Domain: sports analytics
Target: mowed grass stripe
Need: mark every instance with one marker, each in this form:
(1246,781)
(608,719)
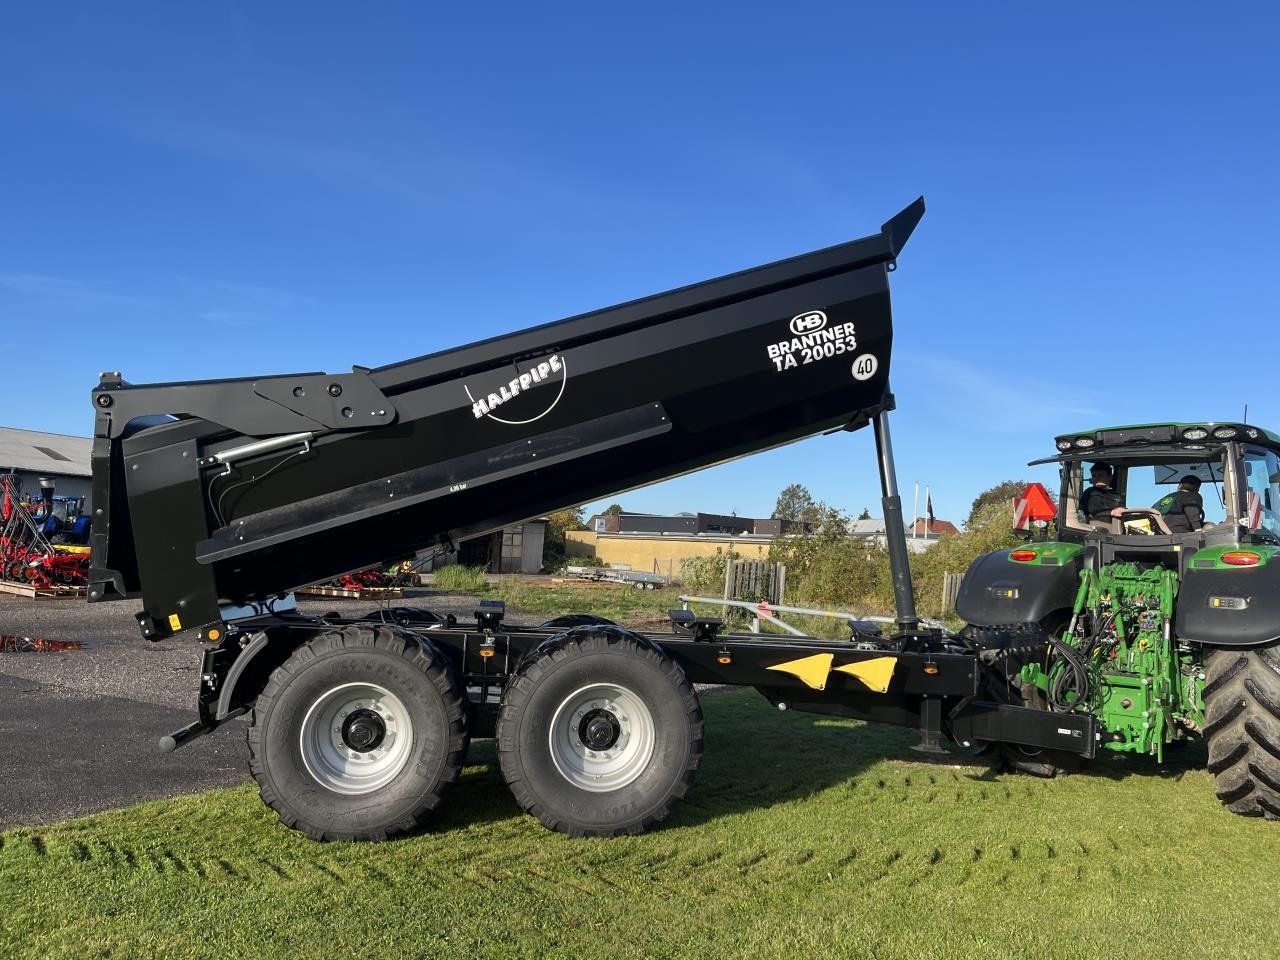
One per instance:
(801,834)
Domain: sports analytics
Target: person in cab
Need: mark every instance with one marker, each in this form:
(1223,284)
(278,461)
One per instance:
(1099,503)
(1184,508)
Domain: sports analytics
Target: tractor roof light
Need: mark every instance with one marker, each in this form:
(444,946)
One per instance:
(1224,433)
(1241,558)
(1251,433)
(1064,444)
(1023,556)
(1084,442)
(1195,433)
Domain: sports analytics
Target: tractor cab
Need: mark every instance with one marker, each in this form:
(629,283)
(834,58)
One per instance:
(62,520)
(1238,472)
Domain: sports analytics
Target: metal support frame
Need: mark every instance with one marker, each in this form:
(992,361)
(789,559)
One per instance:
(767,613)
(904,601)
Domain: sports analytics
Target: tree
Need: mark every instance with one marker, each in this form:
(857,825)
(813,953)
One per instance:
(865,514)
(612,510)
(1001,493)
(795,502)
(553,549)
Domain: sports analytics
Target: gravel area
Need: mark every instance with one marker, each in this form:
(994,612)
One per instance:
(78,729)
(118,662)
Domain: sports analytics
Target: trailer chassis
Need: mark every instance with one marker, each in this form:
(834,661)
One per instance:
(920,676)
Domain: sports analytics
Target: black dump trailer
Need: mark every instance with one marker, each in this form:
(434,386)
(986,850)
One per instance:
(215,499)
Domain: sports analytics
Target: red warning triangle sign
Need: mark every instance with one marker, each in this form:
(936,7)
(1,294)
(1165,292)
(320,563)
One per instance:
(1040,506)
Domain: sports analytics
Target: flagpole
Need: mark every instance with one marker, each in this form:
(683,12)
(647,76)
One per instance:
(915,512)
(928,511)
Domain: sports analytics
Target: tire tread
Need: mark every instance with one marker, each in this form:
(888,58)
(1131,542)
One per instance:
(1242,707)
(351,638)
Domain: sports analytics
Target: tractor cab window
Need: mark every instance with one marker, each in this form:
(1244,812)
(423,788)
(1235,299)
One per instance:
(1262,491)
(1157,485)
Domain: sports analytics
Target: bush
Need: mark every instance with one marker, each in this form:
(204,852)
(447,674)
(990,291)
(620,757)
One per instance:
(833,571)
(461,579)
(705,575)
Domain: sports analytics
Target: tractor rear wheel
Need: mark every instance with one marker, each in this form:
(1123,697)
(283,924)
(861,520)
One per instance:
(599,733)
(358,734)
(1242,726)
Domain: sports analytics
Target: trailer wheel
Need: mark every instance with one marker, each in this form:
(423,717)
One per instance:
(578,620)
(599,733)
(358,734)
(1242,726)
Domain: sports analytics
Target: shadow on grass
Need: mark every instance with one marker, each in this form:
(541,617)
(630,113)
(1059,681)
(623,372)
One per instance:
(756,757)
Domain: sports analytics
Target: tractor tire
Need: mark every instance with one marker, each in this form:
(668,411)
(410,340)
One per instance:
(358,734)
(1242,727)
(1000,682)
(599,733)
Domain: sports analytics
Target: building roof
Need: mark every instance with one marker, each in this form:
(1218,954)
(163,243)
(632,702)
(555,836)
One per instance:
(933,528)
(870,527)
(44,452)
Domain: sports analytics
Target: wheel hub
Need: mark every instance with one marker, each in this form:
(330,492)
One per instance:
(602,737)
(599,729)
(363,730)
(356,738)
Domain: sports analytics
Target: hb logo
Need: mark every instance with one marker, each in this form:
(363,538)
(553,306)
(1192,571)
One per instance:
(809,322)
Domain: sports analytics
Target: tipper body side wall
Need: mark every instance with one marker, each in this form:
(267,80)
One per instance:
(228,492)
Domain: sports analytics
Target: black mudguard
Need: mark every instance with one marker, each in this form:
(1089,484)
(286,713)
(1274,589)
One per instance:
(1230,608)
(996,590)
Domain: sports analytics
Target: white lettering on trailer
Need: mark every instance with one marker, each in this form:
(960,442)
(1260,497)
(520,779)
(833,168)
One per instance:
(808,322)
(541,372)
(813,340)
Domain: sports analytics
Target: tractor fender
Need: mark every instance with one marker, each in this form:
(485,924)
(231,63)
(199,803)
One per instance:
(997,590)
(1234,607)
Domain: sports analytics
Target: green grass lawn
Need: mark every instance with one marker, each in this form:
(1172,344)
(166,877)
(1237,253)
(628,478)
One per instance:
(645,609)
(802,837)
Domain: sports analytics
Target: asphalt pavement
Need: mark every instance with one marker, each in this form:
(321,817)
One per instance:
(79,728)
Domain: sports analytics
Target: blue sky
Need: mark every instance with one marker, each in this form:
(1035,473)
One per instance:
(196,191)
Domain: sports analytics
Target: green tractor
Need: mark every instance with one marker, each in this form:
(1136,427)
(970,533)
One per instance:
(1164,626)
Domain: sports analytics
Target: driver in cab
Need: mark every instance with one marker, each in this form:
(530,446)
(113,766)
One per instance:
(1099,503)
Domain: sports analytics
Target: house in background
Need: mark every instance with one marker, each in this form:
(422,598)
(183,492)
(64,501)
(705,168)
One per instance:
(31,455)
(515,549)
(932,529)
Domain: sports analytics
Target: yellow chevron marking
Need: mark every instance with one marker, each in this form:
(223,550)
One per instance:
(812,670)
(876,673)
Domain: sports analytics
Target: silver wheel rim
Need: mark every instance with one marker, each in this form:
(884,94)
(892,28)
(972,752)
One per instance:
(614,763)
(336,759)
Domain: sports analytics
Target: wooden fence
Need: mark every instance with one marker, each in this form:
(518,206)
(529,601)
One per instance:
(755,580)
(950,590)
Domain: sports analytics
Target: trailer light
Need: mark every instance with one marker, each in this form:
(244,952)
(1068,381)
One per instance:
(213,633)
(1084,442)
(1064,444)
(931,669)
(486,652)
(1241,558)
(1195,433)
(1224,433)
(1023,556)
(725,659)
